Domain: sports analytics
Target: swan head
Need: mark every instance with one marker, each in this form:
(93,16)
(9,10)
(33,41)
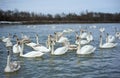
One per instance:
(8,52)
(14,36)
(107,34)
(90,33)
(52,42)
(100,36)
(77,38)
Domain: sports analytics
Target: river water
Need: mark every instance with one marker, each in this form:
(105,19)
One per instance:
(103,63)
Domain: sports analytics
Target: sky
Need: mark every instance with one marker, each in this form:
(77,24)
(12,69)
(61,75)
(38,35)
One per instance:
(61,6)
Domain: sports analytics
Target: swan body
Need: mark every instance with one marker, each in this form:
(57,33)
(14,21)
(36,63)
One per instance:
(41,48)
(62,39)
(89,37)
(31,44)
(82,42)
(68,30)
(9,44)
(11,66)
(16,48)
(117,34)
(87,49)
(31,54)
(60,50)
(111,39)
(83,35)
(107,44)
(5,39)
(24,36)
(102,30)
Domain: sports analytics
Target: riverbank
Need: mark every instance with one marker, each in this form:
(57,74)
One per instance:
(52,22)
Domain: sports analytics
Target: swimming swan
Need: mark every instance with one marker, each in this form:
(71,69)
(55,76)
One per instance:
(11,66)
(60,50)
(87,49)
(30,54)
(107,44)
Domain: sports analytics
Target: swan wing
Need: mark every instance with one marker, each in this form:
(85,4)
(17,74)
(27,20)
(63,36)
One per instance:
(60,51)
(31,44)
(84,35)
(15,48)
(87,49)
(33,54)
(109,45)
(41,48)
(62,39)
(15,65)
(5,39)
(111,38)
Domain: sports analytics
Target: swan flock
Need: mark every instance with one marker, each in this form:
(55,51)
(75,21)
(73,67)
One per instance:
(82,45)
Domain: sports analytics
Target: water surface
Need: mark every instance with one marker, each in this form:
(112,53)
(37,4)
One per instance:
(103,63)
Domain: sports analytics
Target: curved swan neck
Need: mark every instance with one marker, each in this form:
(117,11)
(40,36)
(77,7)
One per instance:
(37,39)
(107,38)
(52,51)
(56,37)
(79,45)
(8,60)
(21,52)
(100,40)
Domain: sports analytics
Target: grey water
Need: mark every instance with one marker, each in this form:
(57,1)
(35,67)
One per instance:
(103,63)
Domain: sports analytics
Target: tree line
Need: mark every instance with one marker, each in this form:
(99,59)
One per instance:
(83,17)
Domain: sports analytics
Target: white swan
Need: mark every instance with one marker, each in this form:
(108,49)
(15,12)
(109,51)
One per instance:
(83,34)
(11,66)
(117,33)
(89,36)
(82,42)
(48,42)
(102,30)
(106,45)
(7,38)
(60,50)
(68,30)
(39,47)
(30,54)
(87,49)
(110,38)
(9,43)
(31,44)
(62,39)
(24,36)
(58,35)
(16,48)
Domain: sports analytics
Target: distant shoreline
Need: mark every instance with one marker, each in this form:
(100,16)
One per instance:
(52,22)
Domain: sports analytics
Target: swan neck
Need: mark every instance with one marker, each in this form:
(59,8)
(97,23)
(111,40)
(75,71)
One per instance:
(21,52)
(52,51)
(37,40)
(101,41)
(8,60)
(56,37)
(107,39)
(79,45)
